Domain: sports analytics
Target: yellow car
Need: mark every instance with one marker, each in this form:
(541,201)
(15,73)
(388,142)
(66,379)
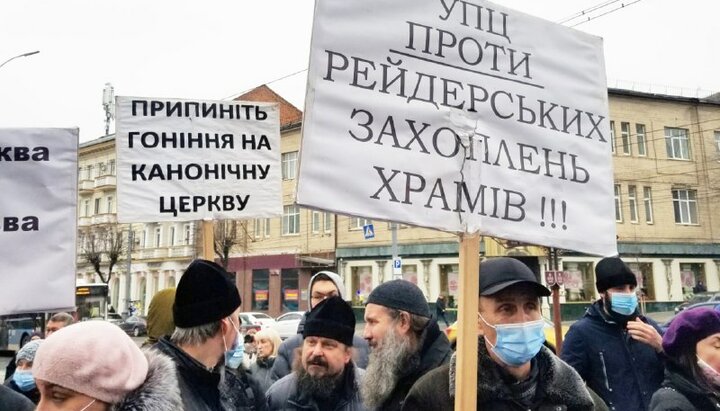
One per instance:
(451,332)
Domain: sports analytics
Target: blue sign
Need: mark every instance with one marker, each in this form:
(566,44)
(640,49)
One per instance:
(369,231)
(397,263)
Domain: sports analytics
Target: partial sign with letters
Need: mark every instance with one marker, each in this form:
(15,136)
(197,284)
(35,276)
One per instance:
(463,116)
(190,160)
(38,219)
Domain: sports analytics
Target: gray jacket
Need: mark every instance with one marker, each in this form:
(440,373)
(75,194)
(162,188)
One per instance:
(284,396)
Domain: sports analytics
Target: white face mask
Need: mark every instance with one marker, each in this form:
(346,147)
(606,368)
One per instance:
(709,372)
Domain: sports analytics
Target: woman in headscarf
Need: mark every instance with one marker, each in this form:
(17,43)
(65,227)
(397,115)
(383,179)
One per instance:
(160,316)
(692,372)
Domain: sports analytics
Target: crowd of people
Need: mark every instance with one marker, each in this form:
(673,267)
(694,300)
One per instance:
(196,358)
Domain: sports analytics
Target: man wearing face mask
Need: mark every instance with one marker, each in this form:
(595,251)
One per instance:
(515,370)
(617,351)
(206,343)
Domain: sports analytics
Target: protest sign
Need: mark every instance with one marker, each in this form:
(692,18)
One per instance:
(461,116)
(190,160)
(38,219)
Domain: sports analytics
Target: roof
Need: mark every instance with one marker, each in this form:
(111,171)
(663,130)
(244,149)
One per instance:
(289,114)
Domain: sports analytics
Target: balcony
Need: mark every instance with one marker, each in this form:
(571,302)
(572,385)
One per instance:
(106,182)
(104,219)
(182,251)
(86,186)
(153,253)
(84,221)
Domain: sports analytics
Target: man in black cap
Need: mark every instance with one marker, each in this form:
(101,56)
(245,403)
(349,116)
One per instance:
(515,370)
(405,343)
(324,376)
(205,341)
(616,350)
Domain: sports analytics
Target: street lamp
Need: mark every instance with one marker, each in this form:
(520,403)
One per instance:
(18,56)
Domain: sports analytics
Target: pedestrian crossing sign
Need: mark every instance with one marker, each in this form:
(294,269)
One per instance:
(369,231)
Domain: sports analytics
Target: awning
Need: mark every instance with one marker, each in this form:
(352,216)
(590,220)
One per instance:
(316,260)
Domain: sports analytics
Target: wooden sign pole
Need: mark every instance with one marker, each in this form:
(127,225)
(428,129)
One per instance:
(466,361)
(208,238)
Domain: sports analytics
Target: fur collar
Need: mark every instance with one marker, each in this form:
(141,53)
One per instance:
(558,383)
(159,392)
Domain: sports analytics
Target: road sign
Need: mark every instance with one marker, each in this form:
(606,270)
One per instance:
(368,231)
(397,266)
(560,277)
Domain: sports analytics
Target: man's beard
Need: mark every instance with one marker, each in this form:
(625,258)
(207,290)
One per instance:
(395,357)
(317,387)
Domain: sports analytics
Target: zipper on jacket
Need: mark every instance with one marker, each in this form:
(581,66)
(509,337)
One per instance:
(602,360)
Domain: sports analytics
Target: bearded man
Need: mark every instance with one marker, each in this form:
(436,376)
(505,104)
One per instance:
(405,343)
(324,376)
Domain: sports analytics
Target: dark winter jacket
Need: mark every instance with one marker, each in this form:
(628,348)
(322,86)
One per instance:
(622,371)
(435,352)
(212,390)
(681,393)
(559,387)
(286,351)
(260,372)
(33,395)
(283,395)
(159,392)
(12,401)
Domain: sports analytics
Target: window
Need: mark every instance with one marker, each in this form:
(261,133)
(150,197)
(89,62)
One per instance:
(641,139)
(145,238)
(261,227)
(267,227)
(677,143)
(717,141)
(328,222)
(87,208)
(647,199)
(101,169)
(291,220)
(158,236)
(97,206)
(260,289)
(187,234)
(315,221)
(612,136)
(109,204)
(357,223)
(112,167)
(289,165)
(618,204)
(644,274)
(172,236)
(89,174)
(685,206)
(632,202)
(257,227)
(625,137)
(579,282)
(289,289)
(690,275)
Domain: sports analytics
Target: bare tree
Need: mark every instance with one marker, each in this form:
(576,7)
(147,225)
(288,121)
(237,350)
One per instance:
(228,235)
(106,242)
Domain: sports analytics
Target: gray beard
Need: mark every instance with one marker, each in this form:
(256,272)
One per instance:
(318,387)
(385,368)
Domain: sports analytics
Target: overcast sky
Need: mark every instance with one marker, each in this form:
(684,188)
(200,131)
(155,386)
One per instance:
(218,49)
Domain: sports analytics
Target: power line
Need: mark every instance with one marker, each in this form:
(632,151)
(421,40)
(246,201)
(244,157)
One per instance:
(622,6)
(584,12)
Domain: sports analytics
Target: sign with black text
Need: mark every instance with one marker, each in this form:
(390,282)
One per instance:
(38,219)
(191,160)
(463,116)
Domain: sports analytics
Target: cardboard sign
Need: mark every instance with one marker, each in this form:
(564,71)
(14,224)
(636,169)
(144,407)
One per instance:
(464,117)
(38,219)
(190,160)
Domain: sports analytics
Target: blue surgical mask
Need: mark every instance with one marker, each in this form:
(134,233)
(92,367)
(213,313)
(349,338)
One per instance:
(623,303)
(24,380)
(517,344)
(234,355)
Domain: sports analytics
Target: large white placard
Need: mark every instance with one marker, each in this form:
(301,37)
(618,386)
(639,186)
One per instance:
(463,116)
(190,160)
(38,219)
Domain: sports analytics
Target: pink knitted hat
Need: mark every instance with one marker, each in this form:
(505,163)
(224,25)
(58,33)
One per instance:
(94,358)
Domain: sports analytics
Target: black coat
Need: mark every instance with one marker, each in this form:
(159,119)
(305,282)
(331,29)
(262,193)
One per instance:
(559,387)
(622,371)
(12,401)
(434,352)
(219,389)
(681,393)
(33,395)
(284,396)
